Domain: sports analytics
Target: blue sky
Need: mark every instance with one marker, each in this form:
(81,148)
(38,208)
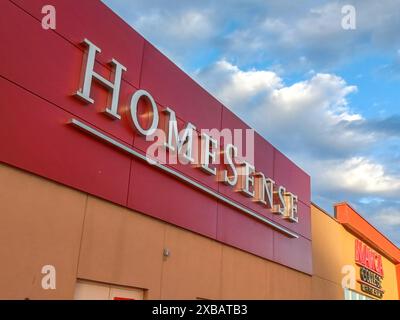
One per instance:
(289,66)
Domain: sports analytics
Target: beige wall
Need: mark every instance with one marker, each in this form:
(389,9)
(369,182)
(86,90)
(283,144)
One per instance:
(89,290)
(86,238)
(333,248)
(42,222)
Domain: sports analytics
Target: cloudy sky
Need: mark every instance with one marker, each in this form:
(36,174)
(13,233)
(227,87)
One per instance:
(289,66)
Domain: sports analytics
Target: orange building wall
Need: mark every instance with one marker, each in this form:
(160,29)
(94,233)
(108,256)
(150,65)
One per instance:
(88,239)
(333,248)
(42,222)
(398,279)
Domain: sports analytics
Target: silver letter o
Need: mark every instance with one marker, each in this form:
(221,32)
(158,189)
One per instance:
(133,109)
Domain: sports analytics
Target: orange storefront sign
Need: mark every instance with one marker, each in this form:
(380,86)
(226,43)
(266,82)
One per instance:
(368,258)
(371,269)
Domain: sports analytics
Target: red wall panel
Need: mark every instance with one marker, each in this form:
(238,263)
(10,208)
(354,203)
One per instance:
(172,88)
(162,196)
(36,136)
(292,177)
(40,72)
(243,232)
(186,168)
(295,253)
(91,19)
(52,69)
(262,158)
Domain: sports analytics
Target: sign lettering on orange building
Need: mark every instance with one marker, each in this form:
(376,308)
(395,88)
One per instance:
(371,270)
(368,258)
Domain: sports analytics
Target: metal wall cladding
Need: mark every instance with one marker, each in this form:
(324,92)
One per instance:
(40,72)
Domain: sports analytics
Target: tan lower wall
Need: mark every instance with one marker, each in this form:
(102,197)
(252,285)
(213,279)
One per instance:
(323,289)
(40,224)
(83,237)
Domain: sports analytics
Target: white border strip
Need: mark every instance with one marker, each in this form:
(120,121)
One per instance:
(98,134)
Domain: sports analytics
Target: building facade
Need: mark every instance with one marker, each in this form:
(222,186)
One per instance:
(86,213)
(351,259)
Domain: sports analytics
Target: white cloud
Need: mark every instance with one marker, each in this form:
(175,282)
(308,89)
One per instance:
(299,35)
(287,115)
(387,220)
(309,120)
(389,217)
(187,26)
(314,33)
(235,87)
(356,175)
